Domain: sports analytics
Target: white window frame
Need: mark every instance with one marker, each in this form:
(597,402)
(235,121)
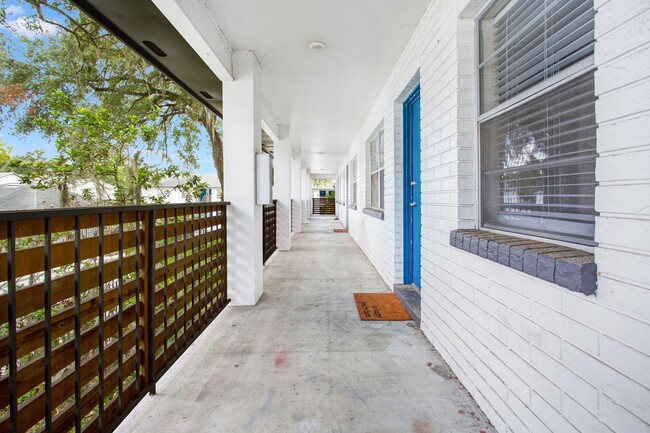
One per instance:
(376,140)
(354,176)
(583,67)
(336,190)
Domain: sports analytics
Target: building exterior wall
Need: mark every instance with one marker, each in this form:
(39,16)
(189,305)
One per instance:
(535,356)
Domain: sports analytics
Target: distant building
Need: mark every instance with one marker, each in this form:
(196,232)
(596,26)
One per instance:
(8,178)
(24,197)
(15,195)
(168,188)
(98,192)
(322,192)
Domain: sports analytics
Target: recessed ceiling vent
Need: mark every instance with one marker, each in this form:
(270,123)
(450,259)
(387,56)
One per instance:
(206,94)
(155,48)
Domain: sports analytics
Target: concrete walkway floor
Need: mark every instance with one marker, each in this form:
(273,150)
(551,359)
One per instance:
(302,361)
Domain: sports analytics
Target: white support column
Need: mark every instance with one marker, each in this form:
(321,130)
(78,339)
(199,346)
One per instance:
(310,202)
(306,193)
(282,187)
(242,139)
(296,193)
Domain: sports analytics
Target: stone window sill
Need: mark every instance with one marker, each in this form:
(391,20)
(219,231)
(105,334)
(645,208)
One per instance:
(375,213)
(567,267)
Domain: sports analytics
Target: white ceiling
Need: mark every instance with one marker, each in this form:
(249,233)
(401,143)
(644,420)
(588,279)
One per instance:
(324,96)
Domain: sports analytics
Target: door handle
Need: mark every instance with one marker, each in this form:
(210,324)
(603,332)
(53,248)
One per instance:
(413,204)
(412,183)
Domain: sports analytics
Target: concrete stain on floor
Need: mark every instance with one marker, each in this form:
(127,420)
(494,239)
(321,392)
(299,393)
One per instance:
(302,360)
(259,413)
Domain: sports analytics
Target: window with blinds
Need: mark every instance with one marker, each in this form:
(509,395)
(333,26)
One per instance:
(524,42)
(353,182)
(375,169)
(337,190)
(538,154)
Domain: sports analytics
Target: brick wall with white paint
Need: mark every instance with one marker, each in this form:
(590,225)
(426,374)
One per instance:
(535,356)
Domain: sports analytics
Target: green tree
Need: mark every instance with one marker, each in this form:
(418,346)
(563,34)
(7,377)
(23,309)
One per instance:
(322,183)
(5,155)
(92,146)
(95,71)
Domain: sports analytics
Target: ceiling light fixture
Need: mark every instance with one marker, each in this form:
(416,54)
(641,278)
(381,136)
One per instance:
(316,45)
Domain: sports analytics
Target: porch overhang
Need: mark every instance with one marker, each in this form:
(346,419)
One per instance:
(135,22)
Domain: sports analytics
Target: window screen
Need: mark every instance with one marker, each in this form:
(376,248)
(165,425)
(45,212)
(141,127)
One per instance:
(338,189)
(375,170)
(539,162)
(524,42)
(538,156)
(377,152)
(377,190)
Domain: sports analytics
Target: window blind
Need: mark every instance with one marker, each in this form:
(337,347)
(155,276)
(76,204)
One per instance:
(524,42)
(377,152)
(373,155)
(377,190)
(375,172)
(538,164)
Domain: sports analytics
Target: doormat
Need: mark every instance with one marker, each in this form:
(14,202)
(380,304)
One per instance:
(380,307)
(340,230)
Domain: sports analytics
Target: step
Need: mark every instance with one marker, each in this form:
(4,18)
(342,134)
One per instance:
(409,296)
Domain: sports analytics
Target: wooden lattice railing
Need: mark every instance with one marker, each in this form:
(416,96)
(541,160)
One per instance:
(97,303)
(269,228)
(323,206)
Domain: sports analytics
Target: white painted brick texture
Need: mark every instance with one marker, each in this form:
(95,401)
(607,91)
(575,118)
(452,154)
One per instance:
(535,356)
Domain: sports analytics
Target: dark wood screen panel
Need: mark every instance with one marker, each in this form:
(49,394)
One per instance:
(96,304)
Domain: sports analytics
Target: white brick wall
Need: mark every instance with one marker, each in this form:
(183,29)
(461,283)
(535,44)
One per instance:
(535,356)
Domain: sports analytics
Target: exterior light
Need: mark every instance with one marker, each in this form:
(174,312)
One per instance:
(155,48)
(206,94)
(316,45)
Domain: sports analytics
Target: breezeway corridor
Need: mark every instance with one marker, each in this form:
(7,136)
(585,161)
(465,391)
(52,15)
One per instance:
(302,361)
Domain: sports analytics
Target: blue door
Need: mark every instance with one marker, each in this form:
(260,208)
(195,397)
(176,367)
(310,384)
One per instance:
(412,189)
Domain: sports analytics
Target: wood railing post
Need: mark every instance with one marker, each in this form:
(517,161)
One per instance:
(224,262)
(147,306)
(12,322)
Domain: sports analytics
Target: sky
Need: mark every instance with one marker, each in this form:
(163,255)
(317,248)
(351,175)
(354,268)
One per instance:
(21,144)
(16,13)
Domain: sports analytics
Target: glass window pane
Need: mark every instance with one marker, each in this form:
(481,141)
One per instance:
(538,164)
(374,190)
(381,189)
(376,152)
(524,42)
(380,149)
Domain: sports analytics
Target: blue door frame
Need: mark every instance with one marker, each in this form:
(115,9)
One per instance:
(412,190)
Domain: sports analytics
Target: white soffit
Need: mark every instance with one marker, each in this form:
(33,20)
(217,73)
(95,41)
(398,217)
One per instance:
(324,95)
